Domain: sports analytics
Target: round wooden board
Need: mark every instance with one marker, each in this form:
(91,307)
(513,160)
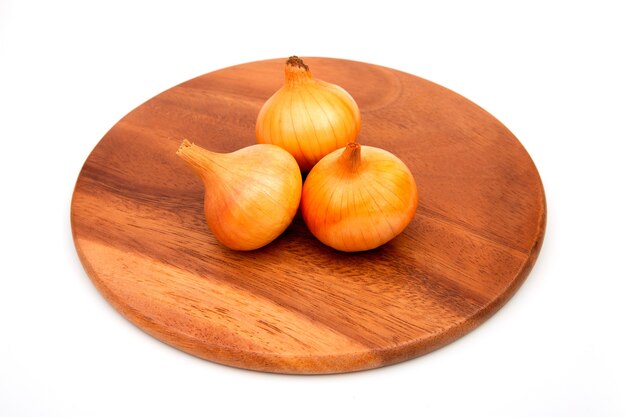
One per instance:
(296,306)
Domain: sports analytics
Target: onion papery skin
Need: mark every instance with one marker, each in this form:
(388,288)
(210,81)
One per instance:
(308,117)
(251,195)
(358,198)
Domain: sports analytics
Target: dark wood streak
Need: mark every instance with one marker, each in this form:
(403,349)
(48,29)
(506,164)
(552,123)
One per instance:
(295,305)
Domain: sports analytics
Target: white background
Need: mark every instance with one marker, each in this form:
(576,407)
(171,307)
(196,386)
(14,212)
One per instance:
(551,71)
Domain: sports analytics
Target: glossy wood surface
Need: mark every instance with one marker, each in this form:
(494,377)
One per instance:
(297,306)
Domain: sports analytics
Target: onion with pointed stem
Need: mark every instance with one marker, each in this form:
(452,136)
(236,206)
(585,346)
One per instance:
(251,195)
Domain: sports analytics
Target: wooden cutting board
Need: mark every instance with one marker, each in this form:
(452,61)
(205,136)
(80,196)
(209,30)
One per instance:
(297,306)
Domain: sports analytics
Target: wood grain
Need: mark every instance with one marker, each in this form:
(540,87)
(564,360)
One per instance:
(297,306)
